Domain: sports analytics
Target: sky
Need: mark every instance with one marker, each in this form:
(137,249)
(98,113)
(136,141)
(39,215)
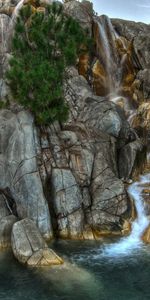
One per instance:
(135,10)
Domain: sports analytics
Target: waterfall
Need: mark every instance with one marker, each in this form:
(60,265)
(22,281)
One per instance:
(17,9)
(4,33)
(127,244)
(109,55)
(113,62)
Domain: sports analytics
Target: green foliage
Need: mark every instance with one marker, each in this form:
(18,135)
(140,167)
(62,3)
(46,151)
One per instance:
(4,104)
(44,44)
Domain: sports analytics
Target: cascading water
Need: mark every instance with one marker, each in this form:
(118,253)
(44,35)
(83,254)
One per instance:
(113,61)
(107,36)
(17,9)
(133,241)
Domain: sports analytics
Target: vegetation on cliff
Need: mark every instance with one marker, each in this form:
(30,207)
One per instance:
(44,44)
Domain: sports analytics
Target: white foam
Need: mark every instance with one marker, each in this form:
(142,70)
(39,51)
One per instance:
(127,244)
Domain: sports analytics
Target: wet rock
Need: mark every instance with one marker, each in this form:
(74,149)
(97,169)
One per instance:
(126,227)
(99,79)
(139,33)
(29,247)
(146,236)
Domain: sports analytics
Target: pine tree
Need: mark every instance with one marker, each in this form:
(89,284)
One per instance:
(44,44)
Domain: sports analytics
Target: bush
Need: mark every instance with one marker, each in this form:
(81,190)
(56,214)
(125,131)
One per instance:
(44,44)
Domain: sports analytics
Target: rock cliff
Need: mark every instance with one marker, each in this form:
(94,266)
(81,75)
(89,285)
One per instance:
(69,178)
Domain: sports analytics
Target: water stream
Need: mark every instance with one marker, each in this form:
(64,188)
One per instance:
(87,275)
(128,244)
(16,10)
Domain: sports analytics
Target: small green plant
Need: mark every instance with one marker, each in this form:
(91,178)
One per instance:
(4,104)
(44,44)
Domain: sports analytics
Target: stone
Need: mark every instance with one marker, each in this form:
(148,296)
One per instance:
(80,12)
(139,33)
(146,235)
(7,6)
(19,170)
(29,247)
(144,77)
(127,158)
(126,227)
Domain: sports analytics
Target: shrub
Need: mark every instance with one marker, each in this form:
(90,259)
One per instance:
(44,44)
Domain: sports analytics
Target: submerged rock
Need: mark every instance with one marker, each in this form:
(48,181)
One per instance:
(29,247)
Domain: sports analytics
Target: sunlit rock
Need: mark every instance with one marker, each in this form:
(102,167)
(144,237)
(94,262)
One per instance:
(126,227)
(29,247)
(99,79)
(139,34)
(146,236)
(82,12)
(83,65)
(7,6)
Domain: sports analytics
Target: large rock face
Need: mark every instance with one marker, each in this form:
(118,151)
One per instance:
(66,178)
(19,172)
(81,12)
(76,163)
(87,196)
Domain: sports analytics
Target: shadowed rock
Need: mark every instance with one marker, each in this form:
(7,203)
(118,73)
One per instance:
(6,223)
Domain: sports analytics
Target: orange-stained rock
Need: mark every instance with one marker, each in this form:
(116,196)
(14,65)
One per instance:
(83,64)
(100,234)
(129,79)
(146,191)
(100,80)
(146,235)
(142,118)
(126,227)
